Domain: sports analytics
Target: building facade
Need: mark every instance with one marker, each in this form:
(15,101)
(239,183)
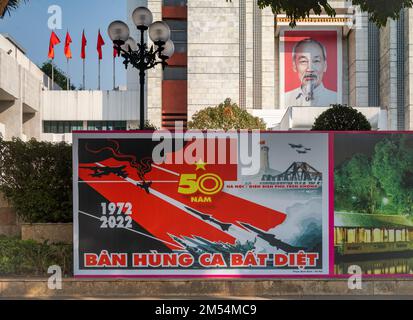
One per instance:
(236,50)
(230,49)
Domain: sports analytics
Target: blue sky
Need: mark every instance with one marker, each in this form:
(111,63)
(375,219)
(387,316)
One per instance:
(28,25)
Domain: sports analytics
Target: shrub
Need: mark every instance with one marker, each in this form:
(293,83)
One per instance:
(225,116)
(36,177)
(19,257)
(341,118)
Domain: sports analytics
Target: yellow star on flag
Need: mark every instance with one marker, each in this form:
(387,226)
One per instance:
(200,165)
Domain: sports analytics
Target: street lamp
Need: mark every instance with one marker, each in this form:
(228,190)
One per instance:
(139,55)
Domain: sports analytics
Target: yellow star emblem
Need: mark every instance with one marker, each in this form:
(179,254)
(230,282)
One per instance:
(200,165)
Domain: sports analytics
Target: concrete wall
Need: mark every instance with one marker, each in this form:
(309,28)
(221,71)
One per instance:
(90,105)
(409,70)
(11,115)
(388,72)
(211,288)
(20,93)
(303,118)
(358,63)
(9,223)
(21,58)
(51,232)
(268,60)
(213,53)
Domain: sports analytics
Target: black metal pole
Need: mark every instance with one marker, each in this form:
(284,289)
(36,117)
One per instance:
(142,83)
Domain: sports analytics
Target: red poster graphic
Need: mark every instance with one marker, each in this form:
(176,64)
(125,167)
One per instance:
(202,216)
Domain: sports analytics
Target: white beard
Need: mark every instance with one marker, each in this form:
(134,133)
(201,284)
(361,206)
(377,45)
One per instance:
(308,90)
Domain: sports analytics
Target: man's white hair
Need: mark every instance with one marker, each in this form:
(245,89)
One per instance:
(308,41)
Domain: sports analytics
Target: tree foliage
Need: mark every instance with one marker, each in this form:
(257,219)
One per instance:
(226,116)
(356,186)
(36,177)
(379,10)
(382,183)
(393,164)
(60,78)
(6,6)
(341,118)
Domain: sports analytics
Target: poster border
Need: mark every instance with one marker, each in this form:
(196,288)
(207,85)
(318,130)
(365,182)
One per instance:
(331,274)
(325,270)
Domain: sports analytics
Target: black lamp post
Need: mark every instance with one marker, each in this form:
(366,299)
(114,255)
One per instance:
(138,54)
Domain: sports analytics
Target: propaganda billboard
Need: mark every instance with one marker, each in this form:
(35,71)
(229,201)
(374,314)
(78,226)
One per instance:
(236,204)
(310,67)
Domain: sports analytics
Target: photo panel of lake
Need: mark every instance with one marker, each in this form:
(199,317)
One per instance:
(373,203)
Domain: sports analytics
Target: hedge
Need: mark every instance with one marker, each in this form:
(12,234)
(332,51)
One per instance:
(27,257)
(341,118)
(36,177)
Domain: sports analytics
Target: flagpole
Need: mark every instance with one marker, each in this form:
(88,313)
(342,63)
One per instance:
(114,72)
(84,80)
(99,77)
(51,62)
(67,75)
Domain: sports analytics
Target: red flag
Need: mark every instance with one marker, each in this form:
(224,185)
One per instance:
(68,41)
(115,52)
(99,45)
(54,40)
(84,44)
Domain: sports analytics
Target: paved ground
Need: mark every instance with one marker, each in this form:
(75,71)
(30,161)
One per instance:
(231,298)
(277,289)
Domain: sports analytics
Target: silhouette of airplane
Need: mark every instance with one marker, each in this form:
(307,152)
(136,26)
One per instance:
(105,171)
(307,149)
(295,146)
(301,152)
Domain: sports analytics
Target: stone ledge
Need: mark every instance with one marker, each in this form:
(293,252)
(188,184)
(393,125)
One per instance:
(51,232)
(3,202)
(8,216)
(10,231)
(37,288)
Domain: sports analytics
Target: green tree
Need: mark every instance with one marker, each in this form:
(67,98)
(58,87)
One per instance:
(226,116)
(60,78)
(356,188)
(393,166)
(6,6)
(379,10)
(341,118)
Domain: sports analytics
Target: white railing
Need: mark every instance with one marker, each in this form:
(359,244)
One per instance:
(57,137)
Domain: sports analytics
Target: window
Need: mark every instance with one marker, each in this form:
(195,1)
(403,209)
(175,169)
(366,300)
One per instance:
(62,126)
(179,34)
(175,73)
(106,125)
(174,3)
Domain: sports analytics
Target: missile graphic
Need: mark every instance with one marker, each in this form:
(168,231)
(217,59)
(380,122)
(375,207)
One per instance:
(188,246)
(203,246)
(207,217)
(272,240)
